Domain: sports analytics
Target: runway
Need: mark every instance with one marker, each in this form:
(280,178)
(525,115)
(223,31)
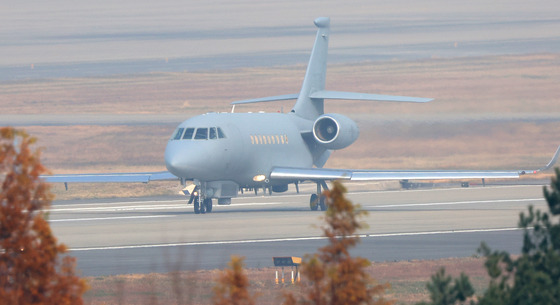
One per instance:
(143,235)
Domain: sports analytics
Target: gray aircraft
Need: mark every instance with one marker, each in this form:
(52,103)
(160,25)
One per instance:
(224,153)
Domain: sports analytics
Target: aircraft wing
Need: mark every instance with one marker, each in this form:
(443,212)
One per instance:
(290,173)
(110,177)
(365,175)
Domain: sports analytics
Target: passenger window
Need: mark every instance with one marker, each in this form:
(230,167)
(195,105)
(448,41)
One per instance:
(188,134)
(201,134)
(178,134)
(221,134)
(213,134)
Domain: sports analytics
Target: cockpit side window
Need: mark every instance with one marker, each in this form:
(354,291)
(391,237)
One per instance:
(178,134)
(221,134)
(201,134)
(213,134)
(188,134)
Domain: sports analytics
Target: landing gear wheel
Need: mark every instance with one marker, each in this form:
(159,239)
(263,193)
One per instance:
(313,202)
(196,205)
(323,203)
(208,205)
(203,207)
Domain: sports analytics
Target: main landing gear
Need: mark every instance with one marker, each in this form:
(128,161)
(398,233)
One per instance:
(318,200)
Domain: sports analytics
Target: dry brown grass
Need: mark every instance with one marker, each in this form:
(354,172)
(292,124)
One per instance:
(494,84)
(408,280)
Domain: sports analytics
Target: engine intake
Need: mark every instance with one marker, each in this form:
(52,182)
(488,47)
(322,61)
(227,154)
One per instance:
(335,131)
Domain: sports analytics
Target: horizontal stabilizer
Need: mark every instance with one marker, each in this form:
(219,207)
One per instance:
(341,95)
(268,99)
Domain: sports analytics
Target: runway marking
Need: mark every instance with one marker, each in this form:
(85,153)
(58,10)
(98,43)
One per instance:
(122,208)
(249,241)
(453,203)
(153,207)
(111,218)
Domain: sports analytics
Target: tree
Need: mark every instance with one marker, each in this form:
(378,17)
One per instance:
(336,277)
(31,271)
(443,293)
(233,285)
(534,276)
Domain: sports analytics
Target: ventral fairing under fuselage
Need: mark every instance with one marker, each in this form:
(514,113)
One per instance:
(222,153)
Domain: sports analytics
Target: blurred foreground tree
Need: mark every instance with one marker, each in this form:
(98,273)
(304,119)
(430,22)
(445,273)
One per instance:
(31,271)
(442,292)
(336,277)
(233,285)
(534,276)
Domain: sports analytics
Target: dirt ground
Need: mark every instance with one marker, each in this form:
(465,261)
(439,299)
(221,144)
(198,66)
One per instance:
(407,279)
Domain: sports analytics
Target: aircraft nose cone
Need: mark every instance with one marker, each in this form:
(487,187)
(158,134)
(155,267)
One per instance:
(175,161)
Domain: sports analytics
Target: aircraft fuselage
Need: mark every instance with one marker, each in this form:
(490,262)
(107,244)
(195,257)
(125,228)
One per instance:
(250,146)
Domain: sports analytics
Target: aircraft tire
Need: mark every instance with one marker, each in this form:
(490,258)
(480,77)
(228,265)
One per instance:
(323,203)
(196,204)
(208,205)
(313,202)
(203,207)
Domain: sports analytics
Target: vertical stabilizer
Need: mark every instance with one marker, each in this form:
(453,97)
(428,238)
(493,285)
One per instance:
(306,107)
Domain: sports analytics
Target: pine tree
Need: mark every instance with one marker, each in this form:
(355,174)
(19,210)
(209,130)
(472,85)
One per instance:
(536,273)
(442,292)
(533,277)
(31,271)
(335,276)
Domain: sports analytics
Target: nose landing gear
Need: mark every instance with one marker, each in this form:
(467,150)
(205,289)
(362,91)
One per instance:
(202,205)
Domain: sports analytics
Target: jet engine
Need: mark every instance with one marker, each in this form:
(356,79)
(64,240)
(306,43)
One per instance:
(335,131)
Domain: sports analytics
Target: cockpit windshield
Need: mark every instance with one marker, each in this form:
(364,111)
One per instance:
(203,133)
(178,134)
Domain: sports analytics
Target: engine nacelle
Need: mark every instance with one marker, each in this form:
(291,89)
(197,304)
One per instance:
(335,131)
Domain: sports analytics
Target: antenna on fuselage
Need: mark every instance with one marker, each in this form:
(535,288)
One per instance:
(233,109)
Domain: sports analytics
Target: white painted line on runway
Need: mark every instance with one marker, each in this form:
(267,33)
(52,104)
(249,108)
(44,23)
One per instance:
(287,239)
(113,203)
(121,208)
(153,207)
(452,203)
(111,218)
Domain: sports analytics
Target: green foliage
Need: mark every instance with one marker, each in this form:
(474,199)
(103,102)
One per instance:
(533,277)
(442,292)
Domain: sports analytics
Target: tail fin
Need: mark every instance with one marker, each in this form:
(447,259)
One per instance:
(310,99)
(307,107)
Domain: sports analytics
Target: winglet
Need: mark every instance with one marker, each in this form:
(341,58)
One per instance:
(547,167)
